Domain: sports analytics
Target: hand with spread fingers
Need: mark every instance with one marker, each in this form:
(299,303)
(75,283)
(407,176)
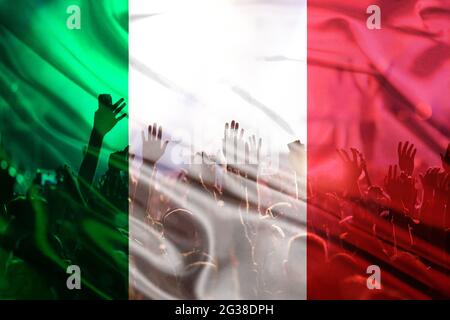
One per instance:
(105,118)
(153,147)
(107,114)
(353,166)
(352,169)
(406,154)
(233,145)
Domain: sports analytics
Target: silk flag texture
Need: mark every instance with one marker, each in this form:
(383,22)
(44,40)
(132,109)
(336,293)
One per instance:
(285,149)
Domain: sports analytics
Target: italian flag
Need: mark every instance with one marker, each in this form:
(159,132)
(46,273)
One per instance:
(268,149)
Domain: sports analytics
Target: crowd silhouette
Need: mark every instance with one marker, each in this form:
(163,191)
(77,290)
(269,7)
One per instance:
(242,234)
(219,228)
(66,219)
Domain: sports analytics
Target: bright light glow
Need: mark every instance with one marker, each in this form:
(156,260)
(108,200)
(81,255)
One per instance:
(187,56)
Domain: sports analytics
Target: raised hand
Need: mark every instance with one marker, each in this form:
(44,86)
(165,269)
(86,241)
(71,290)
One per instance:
(445,158)
(153,147)
(406,154)
(353,167)
(152,150)
(107,114)
(242,160)
(352,170)
(105,118)
(233,145)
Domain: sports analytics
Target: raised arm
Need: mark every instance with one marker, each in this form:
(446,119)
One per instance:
(105,118)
